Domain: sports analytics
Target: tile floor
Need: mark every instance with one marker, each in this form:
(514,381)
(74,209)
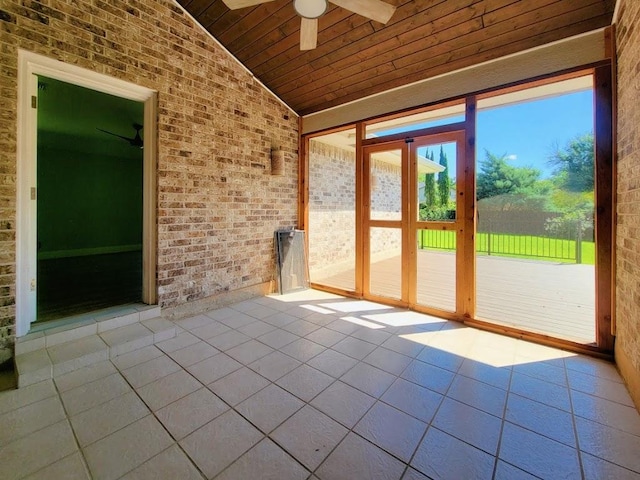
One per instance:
(315,386)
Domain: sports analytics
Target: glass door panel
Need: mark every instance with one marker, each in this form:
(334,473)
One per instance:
(385,268)
(434,184)
(385,185)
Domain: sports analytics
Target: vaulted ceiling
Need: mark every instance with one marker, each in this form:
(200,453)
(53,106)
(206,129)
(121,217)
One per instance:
(356,57)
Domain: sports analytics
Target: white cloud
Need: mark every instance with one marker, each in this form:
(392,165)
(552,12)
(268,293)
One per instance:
(512,157)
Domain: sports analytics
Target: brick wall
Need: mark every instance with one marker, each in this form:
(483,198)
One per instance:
(332,209)
(628,206)
(217,204)
(332,214)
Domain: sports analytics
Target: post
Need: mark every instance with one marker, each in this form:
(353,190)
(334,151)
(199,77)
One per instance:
(489,238)
(579,242)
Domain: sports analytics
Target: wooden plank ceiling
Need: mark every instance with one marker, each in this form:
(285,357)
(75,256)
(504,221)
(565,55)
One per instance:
(357,57)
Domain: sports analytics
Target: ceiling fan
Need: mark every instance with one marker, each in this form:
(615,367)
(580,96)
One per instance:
(136,141)
(311,10)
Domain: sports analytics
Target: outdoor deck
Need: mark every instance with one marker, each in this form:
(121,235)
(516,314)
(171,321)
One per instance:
(540,296)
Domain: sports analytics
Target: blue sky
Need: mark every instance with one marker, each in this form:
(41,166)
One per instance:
(528,130)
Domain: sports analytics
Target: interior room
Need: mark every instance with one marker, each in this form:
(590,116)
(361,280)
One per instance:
(461,180)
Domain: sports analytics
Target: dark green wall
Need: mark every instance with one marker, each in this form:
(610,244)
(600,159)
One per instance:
(89,195)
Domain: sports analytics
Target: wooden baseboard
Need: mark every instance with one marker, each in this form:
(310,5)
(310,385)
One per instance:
(630,374)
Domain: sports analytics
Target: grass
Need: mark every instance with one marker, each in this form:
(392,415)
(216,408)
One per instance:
(515,246)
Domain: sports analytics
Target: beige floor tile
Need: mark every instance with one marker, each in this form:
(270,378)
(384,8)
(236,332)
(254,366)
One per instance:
(135,334)
(238,386)
(126,449)
(277,338)
(256,329)
(269,407)
(69,468)
(23,421)
(593,366)
(541,391)
(597,469)
(343,403)
(538,455)
(377,337)
(480,395)
(137,357)
(249,352)
(220,313)
(279,319)
(147,372)
(357,458)
(274,365)
(506,471)
(265,461)
(84,375)
(303,349)
(326,337)
(193,353)
(606,412)
(404,346)
(413,399)
(441,358)
(106,418)
(21,397)
(428,376)
(191,412)
(228,340)
(301,327)
(70,356)
(210,330)
(445,457)
(170,464)
(469,425)
(392,430)
(305,382)
(261,311)
(496,376)
(168,389)
(196,321)
(370,380)
(608,443)
(238,320)
(343,325)
(599,387)
(213,368)
(94,393)
(387,360)
(309,436)
(543,371)
(412,474)
(354,348)
(183,339)
(229,436)
(543,419)
(332,363)
(33,367)
(37,450)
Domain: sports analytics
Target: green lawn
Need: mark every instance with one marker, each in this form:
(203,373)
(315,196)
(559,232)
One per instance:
(519,246)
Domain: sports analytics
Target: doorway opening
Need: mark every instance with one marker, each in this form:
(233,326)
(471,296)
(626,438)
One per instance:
(86,193)
(89,200)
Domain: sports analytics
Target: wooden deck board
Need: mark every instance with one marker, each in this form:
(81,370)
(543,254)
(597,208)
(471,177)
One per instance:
(539,296)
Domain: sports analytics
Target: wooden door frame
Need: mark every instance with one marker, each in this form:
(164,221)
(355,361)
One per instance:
(403,224)
(30,65)
(604,134)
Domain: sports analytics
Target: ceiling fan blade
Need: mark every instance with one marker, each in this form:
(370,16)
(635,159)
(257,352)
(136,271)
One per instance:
(116,135)
(374,9)
(308,33)
(236,4)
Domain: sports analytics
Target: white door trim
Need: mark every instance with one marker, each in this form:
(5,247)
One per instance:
(30,65)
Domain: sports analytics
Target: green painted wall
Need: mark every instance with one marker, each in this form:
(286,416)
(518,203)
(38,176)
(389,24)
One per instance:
(89,196)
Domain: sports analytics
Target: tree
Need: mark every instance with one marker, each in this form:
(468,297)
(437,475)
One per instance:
(430,186)
(444,182)
(574,167)
(497,177)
